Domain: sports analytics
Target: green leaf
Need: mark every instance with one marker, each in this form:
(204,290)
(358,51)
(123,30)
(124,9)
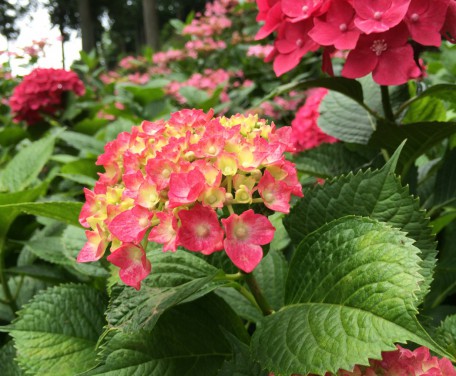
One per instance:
(150,92)
(187,341)
(329,160)
(65,211)
(350,295)
(241,364)
(11,135)
(9,367)
(82,142)
(57,332)
(376,194)
(193,96)
(443,91)
(8,214)
(240,304)
(445,183)
(176,277)
(420,138)
(350,88)
(427,109)
(270,275)
(345,119)
(26,165)
(446,334)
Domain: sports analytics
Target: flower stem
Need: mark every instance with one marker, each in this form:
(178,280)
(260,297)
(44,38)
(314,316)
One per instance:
(386,102)
(257,294)
(9,300)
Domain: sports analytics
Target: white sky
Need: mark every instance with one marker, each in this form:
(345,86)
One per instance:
(37,26)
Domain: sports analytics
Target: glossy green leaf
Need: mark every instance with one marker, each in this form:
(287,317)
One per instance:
(376,194)
(350,295)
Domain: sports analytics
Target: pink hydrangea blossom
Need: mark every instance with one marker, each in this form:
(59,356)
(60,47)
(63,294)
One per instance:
(41,93)
(306,132)
(449,27)
(245,234)
(172,177)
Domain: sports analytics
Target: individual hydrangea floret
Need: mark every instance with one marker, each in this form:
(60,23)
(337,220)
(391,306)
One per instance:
(189,181)
(41,92)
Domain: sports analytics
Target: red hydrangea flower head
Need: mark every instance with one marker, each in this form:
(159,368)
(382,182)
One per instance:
(171,179)
(40,93)
(376,34)
(306,132)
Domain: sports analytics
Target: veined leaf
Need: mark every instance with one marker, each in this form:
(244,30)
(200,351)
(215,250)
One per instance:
(57,332)
(26,165)
(350,295)
(65,211)
(376,194)
(187,341)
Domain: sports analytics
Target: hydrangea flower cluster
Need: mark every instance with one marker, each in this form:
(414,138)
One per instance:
(306,132)
(41,91)
(403,362)
(207,81)
(375,32)
(173,180)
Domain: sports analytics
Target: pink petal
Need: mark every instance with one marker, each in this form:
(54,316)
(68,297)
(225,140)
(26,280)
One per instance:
(133,263)
(245,256)
(131,225)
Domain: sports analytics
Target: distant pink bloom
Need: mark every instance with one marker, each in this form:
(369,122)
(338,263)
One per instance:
(387,55)
(200,230)
(424,20)
(306,132)
(245,234)
(133,263)
(259,51)
(337,28)
(41,92)
(375,16)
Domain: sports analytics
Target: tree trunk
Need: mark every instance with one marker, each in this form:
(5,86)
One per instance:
(87,26)
(151,23)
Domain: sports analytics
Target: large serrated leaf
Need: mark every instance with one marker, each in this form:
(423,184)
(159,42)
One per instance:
(175,278)
(57,332)
(26,165)
(350,295)
(377,194)
(82,142)
(187,341)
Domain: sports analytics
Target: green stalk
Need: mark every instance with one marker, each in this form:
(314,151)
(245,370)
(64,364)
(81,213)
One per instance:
(9,300)
(386,102)
(257,294)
